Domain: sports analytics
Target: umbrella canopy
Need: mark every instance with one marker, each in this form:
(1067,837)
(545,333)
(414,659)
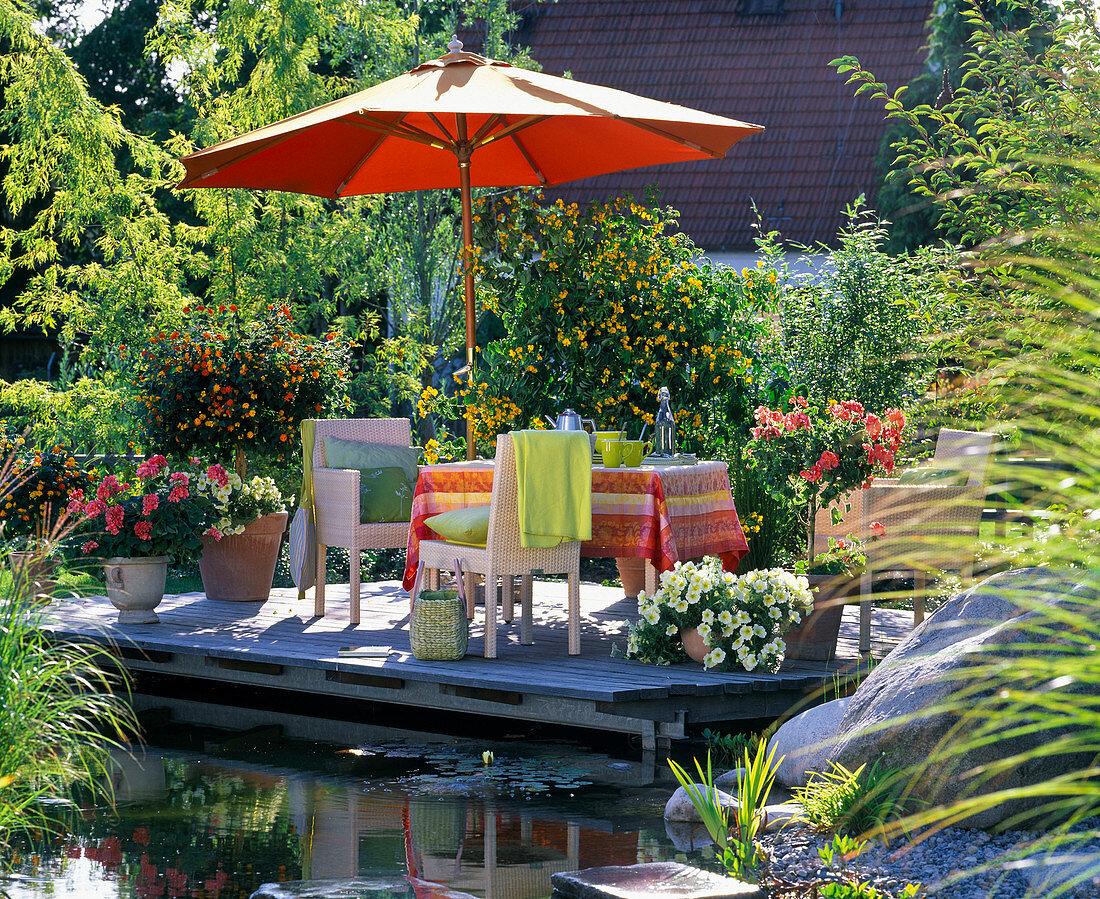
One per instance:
(463,121)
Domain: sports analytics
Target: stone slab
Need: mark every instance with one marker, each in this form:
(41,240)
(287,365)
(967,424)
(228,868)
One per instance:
(667,880)
(353,888)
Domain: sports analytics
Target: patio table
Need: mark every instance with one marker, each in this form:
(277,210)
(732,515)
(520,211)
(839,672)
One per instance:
(663,514)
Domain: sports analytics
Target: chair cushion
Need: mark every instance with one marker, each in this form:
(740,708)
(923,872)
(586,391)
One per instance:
(385,494)
(469,526)
(944,477)
(387,475)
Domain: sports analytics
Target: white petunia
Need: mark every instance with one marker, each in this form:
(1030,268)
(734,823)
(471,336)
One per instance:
(652,616)
(725,617)
(672,630)
(708,616)
(759,631)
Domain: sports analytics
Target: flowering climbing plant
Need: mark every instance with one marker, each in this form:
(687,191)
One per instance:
(154,512)
(820,452)
(742,619)
(225,382)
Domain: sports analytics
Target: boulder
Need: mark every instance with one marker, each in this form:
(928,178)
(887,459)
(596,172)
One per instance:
(804,742)
(680,808)
(902,712)
(728,780)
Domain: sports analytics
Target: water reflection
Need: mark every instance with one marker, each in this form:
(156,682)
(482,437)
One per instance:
(198,827)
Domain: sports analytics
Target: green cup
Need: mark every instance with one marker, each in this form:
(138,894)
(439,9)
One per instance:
(612,453)
(603,436)
(633,451)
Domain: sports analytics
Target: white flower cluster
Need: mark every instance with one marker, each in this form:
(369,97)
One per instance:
(237,502)
(740,616)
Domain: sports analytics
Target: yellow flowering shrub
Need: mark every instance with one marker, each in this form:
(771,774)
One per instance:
(599,308)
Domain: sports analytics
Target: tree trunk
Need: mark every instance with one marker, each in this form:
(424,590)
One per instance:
(239,462)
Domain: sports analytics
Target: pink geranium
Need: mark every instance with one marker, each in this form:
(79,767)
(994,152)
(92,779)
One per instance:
(109,487)
(115,517)
(218,475)
(144,530)
(149,504)
(152,467)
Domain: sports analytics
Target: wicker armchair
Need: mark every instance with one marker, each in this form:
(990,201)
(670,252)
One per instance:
(336,501)
(502,556)
(927,526)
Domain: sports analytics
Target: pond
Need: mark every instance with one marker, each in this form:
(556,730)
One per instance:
(401,819)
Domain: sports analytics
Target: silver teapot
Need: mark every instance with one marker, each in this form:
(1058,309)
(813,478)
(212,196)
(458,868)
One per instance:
(570,421)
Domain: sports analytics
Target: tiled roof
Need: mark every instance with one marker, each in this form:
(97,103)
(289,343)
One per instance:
(818,151)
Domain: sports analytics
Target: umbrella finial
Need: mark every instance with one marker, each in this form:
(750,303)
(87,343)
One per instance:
(455,46)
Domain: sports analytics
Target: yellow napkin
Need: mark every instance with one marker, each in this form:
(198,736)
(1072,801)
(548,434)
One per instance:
(554,475)
(305,498)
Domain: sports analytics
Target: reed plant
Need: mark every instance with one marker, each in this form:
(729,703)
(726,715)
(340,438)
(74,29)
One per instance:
(62,710)
(1023,191)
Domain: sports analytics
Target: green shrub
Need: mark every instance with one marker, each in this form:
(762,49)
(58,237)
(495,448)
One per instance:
(94,415)
(599,308)
(863,325)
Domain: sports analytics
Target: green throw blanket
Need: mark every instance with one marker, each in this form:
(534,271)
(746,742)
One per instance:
(554,474)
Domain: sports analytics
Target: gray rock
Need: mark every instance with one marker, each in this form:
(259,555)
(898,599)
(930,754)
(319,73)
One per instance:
(352,888)
(679,806)
(687,836)
(898,713)
(668,880)
(728,780)
(779,814)
(805,742)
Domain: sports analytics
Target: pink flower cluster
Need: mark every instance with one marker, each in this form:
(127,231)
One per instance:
(108,488)
(152,467)
(180,487)
(773,422)
(828,461)
(218,475)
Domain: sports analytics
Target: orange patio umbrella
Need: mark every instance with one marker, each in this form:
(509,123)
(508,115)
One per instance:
(463,121)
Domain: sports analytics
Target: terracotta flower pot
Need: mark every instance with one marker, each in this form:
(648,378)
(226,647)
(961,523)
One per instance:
(241,567)
(815,638)
(694,645)
(35,573)
(135,587)
(632,575)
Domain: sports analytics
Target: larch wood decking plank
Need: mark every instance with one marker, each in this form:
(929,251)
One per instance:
(282,631)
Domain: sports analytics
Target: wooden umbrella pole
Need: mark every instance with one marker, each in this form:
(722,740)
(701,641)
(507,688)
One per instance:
(463,152)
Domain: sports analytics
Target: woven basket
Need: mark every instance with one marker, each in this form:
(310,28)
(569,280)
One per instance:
(439,631)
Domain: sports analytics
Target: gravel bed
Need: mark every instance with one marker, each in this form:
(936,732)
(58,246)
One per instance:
(994,864)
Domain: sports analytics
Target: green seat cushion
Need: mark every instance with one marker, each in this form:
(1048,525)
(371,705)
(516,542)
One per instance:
(469,526)
(943,477)
(387,476)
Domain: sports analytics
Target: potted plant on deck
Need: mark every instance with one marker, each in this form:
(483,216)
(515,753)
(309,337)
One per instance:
(814,455)
(725,621)
(134,525)
(226,383)
(241,533)
(833,577)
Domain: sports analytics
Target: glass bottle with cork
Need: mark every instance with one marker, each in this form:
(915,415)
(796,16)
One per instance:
(664,436)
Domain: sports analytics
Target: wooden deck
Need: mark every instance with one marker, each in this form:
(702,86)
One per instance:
(279,645)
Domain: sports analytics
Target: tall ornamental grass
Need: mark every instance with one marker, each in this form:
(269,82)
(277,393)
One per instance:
(1012,164)
(60,715)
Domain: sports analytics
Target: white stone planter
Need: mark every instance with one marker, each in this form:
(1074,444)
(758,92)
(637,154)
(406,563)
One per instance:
(136,586)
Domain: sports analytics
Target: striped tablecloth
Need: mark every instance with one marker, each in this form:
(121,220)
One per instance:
(665,514)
